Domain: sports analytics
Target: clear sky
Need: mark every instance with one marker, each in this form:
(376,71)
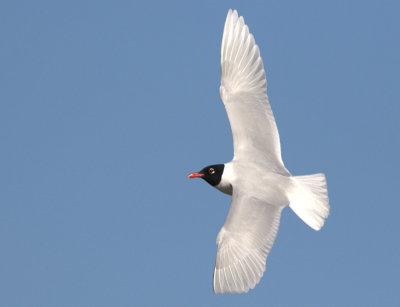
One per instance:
(105,107)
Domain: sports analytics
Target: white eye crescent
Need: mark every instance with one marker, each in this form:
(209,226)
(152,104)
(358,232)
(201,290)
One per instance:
(211,171)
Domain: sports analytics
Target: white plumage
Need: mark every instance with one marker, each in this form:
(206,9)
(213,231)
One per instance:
(244,93)
(261,184)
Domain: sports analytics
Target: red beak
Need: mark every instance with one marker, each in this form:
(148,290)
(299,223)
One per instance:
(195,175)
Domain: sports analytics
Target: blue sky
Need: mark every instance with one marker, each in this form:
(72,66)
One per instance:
(105,107)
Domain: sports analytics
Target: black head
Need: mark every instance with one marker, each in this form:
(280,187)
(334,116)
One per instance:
(212,174)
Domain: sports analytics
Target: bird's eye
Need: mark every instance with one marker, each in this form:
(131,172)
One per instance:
(211,171)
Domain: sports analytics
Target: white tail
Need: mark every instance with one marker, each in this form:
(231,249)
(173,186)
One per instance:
(309,199)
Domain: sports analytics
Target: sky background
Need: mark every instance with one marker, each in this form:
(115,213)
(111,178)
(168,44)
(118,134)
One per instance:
(107,106)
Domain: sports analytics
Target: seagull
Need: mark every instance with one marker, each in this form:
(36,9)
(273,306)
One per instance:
(257,179)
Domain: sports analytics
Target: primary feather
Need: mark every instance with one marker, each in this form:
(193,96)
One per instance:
(257,179)
(244,243)
(244,93)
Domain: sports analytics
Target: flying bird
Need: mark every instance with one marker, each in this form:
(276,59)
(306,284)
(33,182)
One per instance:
(257,179)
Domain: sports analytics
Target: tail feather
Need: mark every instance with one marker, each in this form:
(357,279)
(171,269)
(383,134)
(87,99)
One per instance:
(309,199)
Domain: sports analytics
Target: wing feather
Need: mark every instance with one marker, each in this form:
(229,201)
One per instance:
(244,93)
(244,243)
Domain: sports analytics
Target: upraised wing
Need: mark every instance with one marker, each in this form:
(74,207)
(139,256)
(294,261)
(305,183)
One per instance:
(244,93)
(244,243)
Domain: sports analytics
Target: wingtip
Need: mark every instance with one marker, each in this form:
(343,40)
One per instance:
(244,288)
(232,13)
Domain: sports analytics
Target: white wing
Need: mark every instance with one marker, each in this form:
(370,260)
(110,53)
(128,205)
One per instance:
(244,93)
(244,243)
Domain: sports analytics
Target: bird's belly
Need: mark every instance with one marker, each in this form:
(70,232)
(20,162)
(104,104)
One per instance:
(262,184)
